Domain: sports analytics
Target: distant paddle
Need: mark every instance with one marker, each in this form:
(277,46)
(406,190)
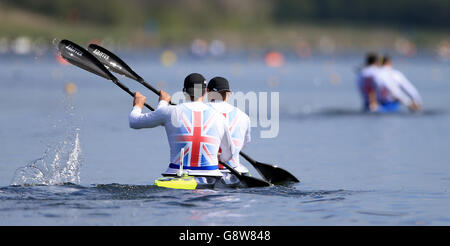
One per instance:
(80,57)
(270,173)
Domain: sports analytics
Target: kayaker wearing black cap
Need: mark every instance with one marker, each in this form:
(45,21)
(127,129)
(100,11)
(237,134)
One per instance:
(238,121)
(192,125)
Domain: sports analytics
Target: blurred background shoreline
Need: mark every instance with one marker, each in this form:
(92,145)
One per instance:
(303,28)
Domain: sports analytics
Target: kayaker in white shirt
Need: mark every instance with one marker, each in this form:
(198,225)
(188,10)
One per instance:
(193,125)
(367,84)
(394,86)
(238,121)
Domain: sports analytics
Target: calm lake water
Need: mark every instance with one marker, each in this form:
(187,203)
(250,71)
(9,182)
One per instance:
(355,169)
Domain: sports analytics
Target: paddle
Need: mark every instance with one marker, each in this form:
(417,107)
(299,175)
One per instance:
(80,57)
(248,181)
(115,64)
(270,173)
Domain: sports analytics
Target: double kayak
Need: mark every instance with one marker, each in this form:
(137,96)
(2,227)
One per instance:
(197,182)
(187,182)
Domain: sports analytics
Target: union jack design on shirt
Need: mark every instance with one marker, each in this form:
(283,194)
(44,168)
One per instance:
(236,136)
(199,139)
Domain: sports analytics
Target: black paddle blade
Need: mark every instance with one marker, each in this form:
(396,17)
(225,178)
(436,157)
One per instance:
(271,173)
(251,182)
(112,62)
(247,181)
(274,174)
(80,57)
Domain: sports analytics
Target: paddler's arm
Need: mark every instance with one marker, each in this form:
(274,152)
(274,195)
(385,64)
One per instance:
(369,88)
(403,96)
(138,120)
(373,103)
(410,90)
(399,94)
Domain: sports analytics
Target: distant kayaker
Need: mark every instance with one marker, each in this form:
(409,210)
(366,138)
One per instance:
(367,83)
(192,125)
(394,88)
(238,121)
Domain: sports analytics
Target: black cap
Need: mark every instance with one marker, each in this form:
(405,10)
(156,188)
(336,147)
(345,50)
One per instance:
(371,58)
(218,84)
(192,82)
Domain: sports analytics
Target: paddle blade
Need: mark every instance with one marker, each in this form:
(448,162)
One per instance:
(112,62)
(271,173)
(246,181)
(80,57)
(274,174)
(250,182)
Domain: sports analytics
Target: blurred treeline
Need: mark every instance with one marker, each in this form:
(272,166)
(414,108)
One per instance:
(407,13)
(241,22)
(430,13)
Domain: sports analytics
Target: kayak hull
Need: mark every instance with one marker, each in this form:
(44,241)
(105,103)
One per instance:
(198,182)
(186,182)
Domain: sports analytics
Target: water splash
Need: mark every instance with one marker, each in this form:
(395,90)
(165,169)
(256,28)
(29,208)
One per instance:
(61,162)
(58,165)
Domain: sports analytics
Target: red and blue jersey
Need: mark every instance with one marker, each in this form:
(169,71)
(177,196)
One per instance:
(199,137)
(194,126)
